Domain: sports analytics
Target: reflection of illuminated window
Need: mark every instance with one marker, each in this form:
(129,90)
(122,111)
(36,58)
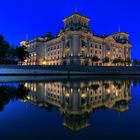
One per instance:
(84,95)
(79,90)
(32,87)
(67,95)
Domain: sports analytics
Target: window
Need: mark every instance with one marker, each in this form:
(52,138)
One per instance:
(83,43)
(96,46)
(121,37)
(83,53)
(108,47)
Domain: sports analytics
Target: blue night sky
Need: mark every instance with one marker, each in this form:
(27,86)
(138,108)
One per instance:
(19,17)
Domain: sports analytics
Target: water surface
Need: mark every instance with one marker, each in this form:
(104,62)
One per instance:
(69,108)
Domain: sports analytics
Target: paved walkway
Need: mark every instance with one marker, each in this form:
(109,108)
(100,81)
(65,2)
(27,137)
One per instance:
(74,69)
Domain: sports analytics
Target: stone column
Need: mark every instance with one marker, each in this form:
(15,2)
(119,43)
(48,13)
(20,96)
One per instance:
(75,45)
(75,48)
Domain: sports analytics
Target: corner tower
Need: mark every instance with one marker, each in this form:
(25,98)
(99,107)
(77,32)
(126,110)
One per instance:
(76,22)
(76,27)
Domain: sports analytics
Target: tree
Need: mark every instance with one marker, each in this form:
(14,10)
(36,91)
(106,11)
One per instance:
(135,62)
(106,60)
(128,61)
(115,61)
(94,59)
(139,63)
(21,53)
(118,60)
(8,92)
(4,48)
(12,56)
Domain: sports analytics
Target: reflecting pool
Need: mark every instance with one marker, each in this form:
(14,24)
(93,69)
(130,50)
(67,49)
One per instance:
(70,108)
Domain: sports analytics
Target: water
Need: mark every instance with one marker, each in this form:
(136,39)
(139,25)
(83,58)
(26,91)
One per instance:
(69,108)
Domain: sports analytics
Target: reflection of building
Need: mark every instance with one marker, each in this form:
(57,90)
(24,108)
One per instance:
(76,100)
(75,44)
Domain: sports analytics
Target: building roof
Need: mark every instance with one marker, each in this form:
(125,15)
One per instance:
(120,33)
(76,13)
(101,36)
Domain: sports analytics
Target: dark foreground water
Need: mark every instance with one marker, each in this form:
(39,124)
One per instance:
(50,108)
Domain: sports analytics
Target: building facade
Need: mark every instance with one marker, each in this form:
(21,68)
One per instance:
(76,45)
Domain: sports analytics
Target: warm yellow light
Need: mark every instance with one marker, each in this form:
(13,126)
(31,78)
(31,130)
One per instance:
(34,89)
(117,93)
(44,62)
(84,95)
(67,95)
(82,85)
(71,90)
(108,53)
(26,85)
(79,89)
(108,90)
(28,97)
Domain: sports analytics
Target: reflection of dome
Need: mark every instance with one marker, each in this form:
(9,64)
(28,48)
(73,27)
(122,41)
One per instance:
(76,122)
(77,99)
(121,105)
